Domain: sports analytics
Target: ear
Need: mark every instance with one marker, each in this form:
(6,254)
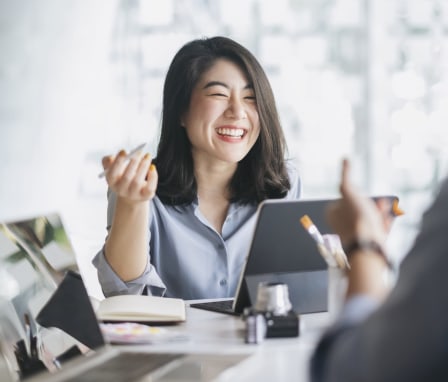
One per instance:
(183,117)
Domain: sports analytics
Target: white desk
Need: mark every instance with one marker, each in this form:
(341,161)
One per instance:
(276,359)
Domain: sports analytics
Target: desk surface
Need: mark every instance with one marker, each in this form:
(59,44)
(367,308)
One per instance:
(276,359)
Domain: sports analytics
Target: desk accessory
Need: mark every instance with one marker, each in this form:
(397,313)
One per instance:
(255,327)
(27,363)
(329,245)
(134,333)
(141,308)
(274,307)
(330,248)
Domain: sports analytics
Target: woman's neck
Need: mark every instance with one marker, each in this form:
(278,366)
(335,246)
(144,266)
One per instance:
(213,192)
(213,179)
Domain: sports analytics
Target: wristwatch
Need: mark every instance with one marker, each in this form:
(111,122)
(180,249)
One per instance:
(366,245)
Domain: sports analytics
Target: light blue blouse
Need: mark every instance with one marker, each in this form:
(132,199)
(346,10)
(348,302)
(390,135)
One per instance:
(187,257)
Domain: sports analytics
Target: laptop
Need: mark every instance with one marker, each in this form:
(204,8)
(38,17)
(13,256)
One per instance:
(282,251)
(37,262)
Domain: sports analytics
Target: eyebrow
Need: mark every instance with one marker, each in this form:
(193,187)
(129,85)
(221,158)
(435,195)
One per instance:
(219,83)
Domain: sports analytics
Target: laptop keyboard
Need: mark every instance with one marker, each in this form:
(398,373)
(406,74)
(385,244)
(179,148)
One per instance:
(220,306)
(125,367)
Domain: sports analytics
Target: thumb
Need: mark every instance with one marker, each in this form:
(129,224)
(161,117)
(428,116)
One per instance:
(107,161)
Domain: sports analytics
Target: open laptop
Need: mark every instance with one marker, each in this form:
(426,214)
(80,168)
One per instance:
(283,251)
(36,260)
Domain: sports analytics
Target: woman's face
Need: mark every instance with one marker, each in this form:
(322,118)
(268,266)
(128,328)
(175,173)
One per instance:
(222,120)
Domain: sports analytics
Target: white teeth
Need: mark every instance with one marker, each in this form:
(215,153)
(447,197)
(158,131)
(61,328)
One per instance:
(231,132)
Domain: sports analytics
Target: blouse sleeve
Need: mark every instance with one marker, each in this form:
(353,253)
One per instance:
(111,283)
(296,183)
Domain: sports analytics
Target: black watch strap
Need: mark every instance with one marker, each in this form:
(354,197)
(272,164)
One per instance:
(366,245)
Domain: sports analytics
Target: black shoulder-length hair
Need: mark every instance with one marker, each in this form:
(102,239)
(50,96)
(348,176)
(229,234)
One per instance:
(262,173)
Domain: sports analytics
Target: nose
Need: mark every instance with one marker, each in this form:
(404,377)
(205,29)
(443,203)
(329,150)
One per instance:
(236,109)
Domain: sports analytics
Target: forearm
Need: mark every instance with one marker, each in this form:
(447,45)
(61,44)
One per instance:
(367,275)
(126,248)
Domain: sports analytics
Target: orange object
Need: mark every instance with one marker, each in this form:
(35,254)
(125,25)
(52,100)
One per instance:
(306,221)
(396,211)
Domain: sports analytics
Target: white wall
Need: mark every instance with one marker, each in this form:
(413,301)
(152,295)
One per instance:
(82,78)
(55,100)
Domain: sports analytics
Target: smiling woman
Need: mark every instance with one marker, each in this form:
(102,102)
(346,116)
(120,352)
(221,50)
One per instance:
(221,152)
(222,121)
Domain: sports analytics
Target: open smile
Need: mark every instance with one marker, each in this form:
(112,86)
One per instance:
(233,132)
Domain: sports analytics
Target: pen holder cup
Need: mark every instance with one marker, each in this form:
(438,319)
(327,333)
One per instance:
(337,288)
(273,297)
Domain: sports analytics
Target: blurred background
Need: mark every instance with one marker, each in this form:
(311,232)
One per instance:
(360,78)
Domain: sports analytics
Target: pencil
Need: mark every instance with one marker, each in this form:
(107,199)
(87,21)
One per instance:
(129,156)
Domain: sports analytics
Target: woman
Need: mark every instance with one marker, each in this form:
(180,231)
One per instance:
(221,152)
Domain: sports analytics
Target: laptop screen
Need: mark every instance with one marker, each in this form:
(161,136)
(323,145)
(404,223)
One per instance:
(35,255)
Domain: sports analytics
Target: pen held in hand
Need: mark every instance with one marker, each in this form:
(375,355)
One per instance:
(128,156)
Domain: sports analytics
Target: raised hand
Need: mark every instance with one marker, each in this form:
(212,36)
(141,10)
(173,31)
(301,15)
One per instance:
(133,179)
(355,216)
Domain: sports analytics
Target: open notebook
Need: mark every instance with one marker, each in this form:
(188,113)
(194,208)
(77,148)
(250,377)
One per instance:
(37,266)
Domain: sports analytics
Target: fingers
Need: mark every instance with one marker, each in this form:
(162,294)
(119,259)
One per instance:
(149,190)
(107,161)
(117,169)
(345,181)
(356,216)
(346,187)
(140,181)
(130,177)
(143,167)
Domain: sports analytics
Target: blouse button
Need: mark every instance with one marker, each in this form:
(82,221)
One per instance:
(223,282)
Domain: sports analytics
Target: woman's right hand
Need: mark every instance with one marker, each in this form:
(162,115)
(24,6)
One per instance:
(133,180)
